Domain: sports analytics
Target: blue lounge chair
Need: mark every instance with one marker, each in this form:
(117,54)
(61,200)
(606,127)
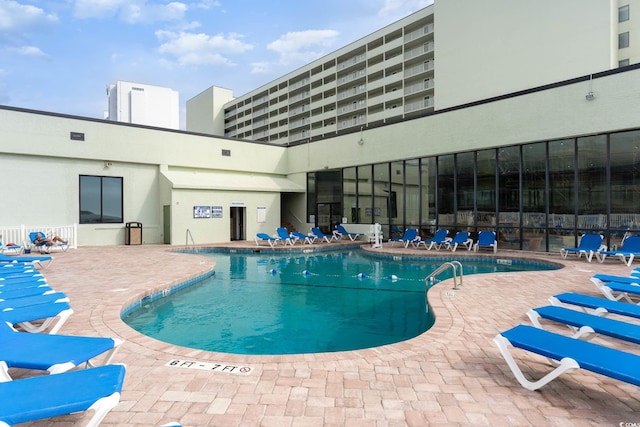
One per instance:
(603,278)
(439,239)
(10,249)
(27,282)
(343,232)
(53,314)
(41,261)
(284,236)
(52,353)
(47,396)
(461,238)
(629,250)
(586,325)
(26,301)
(264,237)
(46,247)
(569,352)
(617,291)
(589,245)
(321,236)
(486,240)
(410,236)
(20,292)
(304,238)
(600,306)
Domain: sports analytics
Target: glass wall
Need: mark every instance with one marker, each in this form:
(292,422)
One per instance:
(562,183)
(349,191)
(465,194)
(538,196)
(364,199)
(412,197)
(624,190)
(486,190)
(534,205)
(509,220)
(396,201)
(382,198)
(445,192)
(428,185)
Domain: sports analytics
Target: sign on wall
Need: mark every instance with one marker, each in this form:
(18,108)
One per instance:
(261,214)
(202,211)
(216,211)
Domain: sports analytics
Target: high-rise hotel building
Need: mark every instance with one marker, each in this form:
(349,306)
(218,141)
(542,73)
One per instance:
(444,55)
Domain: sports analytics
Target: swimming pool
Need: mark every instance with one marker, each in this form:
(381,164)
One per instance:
(300,303)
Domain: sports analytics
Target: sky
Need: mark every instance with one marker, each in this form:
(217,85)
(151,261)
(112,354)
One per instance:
(60,55)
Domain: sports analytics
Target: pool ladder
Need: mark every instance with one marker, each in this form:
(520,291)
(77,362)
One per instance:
(455,266)
(193,242)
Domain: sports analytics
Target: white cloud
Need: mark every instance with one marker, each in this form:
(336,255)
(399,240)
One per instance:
(205,4)
(303,46)
(21,19)
(135,13)
(29,51)
(402,8)
(201,49)
(97,8)
(132,12)
(260,68)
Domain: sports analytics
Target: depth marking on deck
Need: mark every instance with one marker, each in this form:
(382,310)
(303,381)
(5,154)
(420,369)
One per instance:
(210,366)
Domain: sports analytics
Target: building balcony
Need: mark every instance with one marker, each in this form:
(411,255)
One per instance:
(418,51)
(418,69)
(422,86)
(416,34)
(418,105)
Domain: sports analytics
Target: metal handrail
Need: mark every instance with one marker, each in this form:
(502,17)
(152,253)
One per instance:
(456,266)
(193,242)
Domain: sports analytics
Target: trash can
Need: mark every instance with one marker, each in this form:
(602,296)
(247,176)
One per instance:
(133,233)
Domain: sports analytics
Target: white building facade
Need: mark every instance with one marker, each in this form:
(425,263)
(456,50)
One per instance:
(143,105)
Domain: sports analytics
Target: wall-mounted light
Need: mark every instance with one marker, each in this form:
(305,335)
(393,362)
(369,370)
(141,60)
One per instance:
(590,96)
(107,165)
(361,140)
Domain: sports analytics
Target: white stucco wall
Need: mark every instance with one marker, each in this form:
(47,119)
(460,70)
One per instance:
(36,149)
(485,49)
(208,230)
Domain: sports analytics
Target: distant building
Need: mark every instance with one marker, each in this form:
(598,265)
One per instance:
(143,104)
(205,111)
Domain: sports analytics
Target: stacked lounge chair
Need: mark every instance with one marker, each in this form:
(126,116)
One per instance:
(573,352)
(28,303)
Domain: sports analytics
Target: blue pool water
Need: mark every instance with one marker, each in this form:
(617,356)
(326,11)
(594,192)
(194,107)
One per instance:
(300,303)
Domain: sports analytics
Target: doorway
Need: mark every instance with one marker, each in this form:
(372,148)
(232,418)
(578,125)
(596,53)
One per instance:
(238,223)
(166,224)
(328,215)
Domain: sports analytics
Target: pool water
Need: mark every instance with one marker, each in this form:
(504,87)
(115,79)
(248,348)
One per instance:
(299,303)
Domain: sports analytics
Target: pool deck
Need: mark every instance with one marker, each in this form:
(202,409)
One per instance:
(452,375)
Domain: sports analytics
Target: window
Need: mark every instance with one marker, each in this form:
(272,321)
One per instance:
(623,62)
(623,40)
(623,13)
(100,199)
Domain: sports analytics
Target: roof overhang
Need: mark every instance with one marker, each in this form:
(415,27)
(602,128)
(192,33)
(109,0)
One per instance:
(231,181)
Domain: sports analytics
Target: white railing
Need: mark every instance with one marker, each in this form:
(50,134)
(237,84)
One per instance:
(20,234)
